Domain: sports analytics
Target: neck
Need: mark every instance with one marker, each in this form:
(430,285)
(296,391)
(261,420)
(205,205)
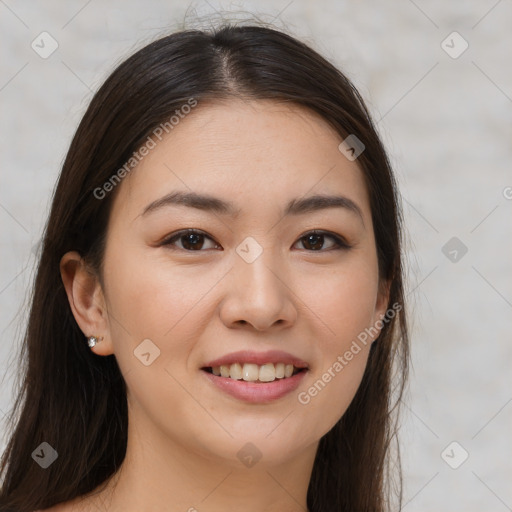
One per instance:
(158,473)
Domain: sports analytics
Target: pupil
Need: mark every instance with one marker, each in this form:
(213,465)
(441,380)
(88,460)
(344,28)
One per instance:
(191,240)
(315,240)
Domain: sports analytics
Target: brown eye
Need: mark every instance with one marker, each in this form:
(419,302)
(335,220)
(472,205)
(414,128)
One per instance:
(190,239)
(315,241)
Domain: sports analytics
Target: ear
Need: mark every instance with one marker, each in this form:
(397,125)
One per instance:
(381,306)
(87,301)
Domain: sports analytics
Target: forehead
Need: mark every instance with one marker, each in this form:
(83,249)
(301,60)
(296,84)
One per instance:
(252,153)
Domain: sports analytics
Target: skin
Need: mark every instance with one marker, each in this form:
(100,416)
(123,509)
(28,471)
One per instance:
(195,306)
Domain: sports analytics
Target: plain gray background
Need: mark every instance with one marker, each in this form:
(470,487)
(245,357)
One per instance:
(446,121)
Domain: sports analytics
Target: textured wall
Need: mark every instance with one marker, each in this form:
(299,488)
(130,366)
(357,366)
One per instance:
(444,112)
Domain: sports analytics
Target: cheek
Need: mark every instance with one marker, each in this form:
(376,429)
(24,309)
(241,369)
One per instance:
(345,305)
(344,299)
(152,298)
(328,394)
(146,295)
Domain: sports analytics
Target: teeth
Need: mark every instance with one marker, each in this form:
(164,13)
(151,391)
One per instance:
(250,372)
(267,373)
(235,371)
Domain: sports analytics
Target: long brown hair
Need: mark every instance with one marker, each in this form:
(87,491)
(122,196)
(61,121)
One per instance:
(75,400)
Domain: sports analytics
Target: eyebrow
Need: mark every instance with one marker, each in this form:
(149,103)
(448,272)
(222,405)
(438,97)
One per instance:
(213,204)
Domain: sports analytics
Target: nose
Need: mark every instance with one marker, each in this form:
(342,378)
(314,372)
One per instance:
(258,294)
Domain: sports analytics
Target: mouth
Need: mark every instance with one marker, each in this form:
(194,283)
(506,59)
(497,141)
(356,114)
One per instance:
(250,372)
(257,378)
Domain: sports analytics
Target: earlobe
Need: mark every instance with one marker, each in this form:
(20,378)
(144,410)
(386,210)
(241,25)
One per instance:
(87,302)
(383,298)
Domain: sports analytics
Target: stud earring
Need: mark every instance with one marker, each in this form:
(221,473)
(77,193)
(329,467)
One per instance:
(92,340)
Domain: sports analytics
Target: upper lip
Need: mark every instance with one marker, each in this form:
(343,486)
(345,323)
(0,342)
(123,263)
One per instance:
(259,358)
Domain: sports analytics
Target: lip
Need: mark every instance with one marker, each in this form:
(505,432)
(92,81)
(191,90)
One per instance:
(259,358)
(254,392)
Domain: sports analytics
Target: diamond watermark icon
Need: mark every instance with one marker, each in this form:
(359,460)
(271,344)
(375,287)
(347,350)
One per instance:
(45,455)
(249,249)
(454,249)
(249,455)
(44,45)
(454,455)
(351,147)
(454,45)
(146,352)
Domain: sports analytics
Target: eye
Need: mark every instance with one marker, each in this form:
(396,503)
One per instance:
(314,240)
(191,240)
(194,240)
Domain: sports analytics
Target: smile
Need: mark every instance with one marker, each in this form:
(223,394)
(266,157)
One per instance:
(256,377)
(250,372)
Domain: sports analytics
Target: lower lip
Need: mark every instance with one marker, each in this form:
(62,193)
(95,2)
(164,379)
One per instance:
(256,392)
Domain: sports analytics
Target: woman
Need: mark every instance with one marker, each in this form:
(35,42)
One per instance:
(219,303)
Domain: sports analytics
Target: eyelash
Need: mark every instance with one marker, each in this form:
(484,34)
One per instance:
(340,243)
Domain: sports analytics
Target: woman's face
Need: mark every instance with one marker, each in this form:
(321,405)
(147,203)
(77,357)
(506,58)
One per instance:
(250,291)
